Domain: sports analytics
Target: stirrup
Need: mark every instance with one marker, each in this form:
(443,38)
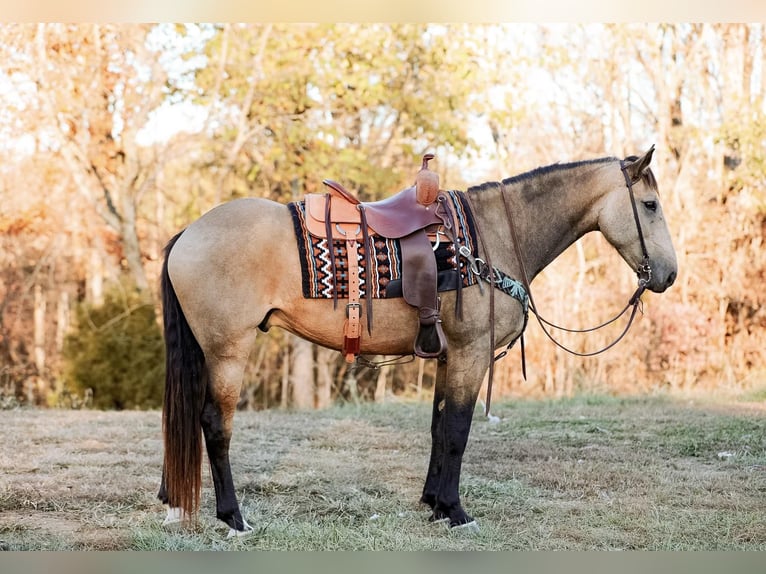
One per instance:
(430,342)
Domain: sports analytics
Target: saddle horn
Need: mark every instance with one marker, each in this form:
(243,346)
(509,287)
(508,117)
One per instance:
(426,183)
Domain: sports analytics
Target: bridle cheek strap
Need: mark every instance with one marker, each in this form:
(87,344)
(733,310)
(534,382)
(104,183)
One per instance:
(644,270)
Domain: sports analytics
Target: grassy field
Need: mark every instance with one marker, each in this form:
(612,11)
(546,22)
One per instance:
(583,474)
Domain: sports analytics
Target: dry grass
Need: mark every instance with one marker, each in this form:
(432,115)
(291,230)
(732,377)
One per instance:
(589,473)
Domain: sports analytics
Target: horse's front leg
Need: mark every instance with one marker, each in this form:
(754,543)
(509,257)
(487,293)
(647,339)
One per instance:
(455,396)
(431,488)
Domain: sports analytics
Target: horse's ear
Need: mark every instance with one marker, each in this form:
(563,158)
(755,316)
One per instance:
(636,168)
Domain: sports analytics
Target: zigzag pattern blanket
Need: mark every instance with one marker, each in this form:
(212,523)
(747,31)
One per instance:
(386,260)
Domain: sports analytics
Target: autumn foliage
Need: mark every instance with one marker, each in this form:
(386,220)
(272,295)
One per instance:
(114,137)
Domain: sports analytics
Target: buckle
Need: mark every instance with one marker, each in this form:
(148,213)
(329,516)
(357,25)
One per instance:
(357,306)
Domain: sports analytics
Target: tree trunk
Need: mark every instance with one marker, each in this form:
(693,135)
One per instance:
(382,381)
(39,330)
(283,397)
(762,59)
(325,359)
(350,382)
(302,375)
(132,248)
(747,65)
(95,277)
(62,320)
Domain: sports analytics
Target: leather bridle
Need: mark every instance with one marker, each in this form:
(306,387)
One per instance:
(643,271)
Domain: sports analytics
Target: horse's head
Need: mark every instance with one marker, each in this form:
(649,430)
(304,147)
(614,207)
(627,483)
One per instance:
(631,210)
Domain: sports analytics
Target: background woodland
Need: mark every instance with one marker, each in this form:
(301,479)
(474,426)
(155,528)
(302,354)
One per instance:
(114,137)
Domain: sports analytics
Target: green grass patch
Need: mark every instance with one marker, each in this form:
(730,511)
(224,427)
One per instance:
(589,473)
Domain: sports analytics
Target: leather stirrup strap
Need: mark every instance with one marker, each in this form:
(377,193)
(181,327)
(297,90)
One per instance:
(352,332)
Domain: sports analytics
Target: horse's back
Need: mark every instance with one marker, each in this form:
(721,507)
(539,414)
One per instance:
(235,223)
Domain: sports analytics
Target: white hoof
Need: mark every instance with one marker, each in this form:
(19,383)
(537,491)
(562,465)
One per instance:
(470,527)
(248,530)
(174,519)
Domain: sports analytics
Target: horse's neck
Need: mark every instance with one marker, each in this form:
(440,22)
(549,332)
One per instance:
(551,211)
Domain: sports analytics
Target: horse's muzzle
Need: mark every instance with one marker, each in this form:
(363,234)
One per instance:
(660,282)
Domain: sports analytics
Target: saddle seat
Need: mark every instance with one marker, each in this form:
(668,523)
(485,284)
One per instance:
(407,216)
(393,217)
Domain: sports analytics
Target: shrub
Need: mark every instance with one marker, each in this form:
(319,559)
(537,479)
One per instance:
(116,352)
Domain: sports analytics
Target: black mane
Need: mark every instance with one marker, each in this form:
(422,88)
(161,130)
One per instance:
(539,171)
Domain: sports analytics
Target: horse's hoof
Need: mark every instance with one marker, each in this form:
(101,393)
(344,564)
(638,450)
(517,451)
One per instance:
(469,527)
(244,533)
(174,520)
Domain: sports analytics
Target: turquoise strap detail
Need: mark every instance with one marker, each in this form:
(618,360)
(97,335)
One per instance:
(510,287)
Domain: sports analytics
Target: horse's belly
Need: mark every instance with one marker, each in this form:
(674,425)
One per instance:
(393,332)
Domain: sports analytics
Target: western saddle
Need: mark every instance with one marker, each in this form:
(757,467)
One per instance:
(412,216)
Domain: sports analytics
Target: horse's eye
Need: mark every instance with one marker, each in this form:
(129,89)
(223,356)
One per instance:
(650,205)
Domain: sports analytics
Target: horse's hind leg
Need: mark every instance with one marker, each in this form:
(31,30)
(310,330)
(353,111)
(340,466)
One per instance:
(217,417)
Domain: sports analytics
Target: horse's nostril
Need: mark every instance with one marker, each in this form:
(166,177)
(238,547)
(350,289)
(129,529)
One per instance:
(671,279)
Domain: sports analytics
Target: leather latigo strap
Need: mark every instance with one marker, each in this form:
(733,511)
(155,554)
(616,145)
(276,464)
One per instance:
(352,331)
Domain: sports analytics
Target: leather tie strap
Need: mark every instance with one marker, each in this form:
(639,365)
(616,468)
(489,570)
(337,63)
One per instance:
(368,248)
(450,230)
(331,249)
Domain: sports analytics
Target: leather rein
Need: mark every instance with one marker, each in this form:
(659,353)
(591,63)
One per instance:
(644,272)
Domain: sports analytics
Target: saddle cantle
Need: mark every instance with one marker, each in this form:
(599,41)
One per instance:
(409,216)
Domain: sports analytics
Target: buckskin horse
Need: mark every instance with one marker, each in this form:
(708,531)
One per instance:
(236,271)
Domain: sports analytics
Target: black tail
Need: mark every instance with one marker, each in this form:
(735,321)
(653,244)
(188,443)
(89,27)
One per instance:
(185,385)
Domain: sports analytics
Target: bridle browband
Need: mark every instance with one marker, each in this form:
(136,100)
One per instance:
(643,271)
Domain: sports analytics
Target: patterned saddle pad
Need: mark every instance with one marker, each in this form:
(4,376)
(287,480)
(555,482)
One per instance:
(384,279)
